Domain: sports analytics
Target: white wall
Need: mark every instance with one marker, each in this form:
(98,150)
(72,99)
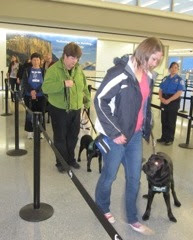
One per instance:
(3,51)
(108,50)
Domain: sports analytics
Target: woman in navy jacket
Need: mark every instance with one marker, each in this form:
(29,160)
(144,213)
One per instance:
(122,105)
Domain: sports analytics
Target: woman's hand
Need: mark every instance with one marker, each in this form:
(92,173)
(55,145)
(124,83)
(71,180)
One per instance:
(120,140)
(69,83)
(33,94)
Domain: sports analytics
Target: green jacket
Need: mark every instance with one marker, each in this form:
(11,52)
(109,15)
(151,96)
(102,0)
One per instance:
(66,98)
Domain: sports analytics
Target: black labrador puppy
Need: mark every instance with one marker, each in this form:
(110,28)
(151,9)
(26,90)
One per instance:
(92,151)
(159,172)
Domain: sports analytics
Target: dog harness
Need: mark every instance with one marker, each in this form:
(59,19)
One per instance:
(159,189)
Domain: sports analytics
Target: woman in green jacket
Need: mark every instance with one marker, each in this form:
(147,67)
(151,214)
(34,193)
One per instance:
(67,90)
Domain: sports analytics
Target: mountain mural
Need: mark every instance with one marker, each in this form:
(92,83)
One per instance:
(24,45)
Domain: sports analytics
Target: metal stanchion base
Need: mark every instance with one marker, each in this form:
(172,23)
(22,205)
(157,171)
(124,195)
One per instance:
(185,145)
(6,114)
(183,111)
(16,152)
(30,214)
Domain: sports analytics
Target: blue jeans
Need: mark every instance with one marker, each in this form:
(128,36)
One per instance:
(130,156)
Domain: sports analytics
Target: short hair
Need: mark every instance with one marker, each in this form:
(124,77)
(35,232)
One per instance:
(35,55)
(146,48)
(172,64)
(72,49)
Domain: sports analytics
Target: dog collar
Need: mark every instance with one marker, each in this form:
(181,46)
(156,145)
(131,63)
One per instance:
(159,189)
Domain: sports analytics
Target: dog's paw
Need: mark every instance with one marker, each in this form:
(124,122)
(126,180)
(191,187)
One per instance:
(89,170)
(172,218)
(177,203)
(145,217)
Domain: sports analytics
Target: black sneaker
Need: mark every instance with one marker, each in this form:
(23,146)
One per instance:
(60,168)
(74,165)
(160,140)
(167,143)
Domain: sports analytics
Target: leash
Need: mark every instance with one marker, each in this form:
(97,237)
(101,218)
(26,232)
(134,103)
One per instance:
(153,142)
(84,110)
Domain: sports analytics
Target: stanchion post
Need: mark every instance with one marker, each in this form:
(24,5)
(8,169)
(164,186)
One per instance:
(6,100)
(186,145)
(185,93)
(2,87)
(36,119)
(16,151)
(36,211)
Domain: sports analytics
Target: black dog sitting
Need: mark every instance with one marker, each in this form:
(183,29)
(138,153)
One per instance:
(159,171)
(92,150)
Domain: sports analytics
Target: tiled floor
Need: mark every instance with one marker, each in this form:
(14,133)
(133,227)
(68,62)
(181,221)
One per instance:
(72,218)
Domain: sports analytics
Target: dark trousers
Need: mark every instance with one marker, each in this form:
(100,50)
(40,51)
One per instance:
(66,127)
(168,120)
(37,105)
(13,83)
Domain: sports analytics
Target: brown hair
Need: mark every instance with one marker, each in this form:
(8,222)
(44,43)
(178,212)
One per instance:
(72,49)
(17,59)
(146,48)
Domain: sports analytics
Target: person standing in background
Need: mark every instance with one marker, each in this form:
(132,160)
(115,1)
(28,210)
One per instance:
(34,99)
(26,64)
(47,62)
(171,89)
(67,90)
(13,69)
(122,104)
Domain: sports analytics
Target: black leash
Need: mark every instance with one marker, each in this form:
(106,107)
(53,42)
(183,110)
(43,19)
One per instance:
(85,110)
(153,142)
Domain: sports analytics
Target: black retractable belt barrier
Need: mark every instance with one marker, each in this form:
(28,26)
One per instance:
(187,145)
(189,117)
(36,212)
(16,151)
(2,87)
(96,210)
(6,99)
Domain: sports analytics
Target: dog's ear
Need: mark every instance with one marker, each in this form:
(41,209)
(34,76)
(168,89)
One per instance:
(165,170)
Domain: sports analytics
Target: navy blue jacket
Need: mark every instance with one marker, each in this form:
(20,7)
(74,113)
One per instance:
(118,101)
(25,86)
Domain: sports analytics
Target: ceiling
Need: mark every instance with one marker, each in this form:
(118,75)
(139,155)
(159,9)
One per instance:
(179,6)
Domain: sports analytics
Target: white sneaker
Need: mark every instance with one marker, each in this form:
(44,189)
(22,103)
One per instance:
(138,227)
(30,135)
(41,135)
(109,217)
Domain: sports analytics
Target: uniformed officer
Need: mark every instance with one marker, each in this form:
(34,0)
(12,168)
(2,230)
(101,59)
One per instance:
(170,91)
